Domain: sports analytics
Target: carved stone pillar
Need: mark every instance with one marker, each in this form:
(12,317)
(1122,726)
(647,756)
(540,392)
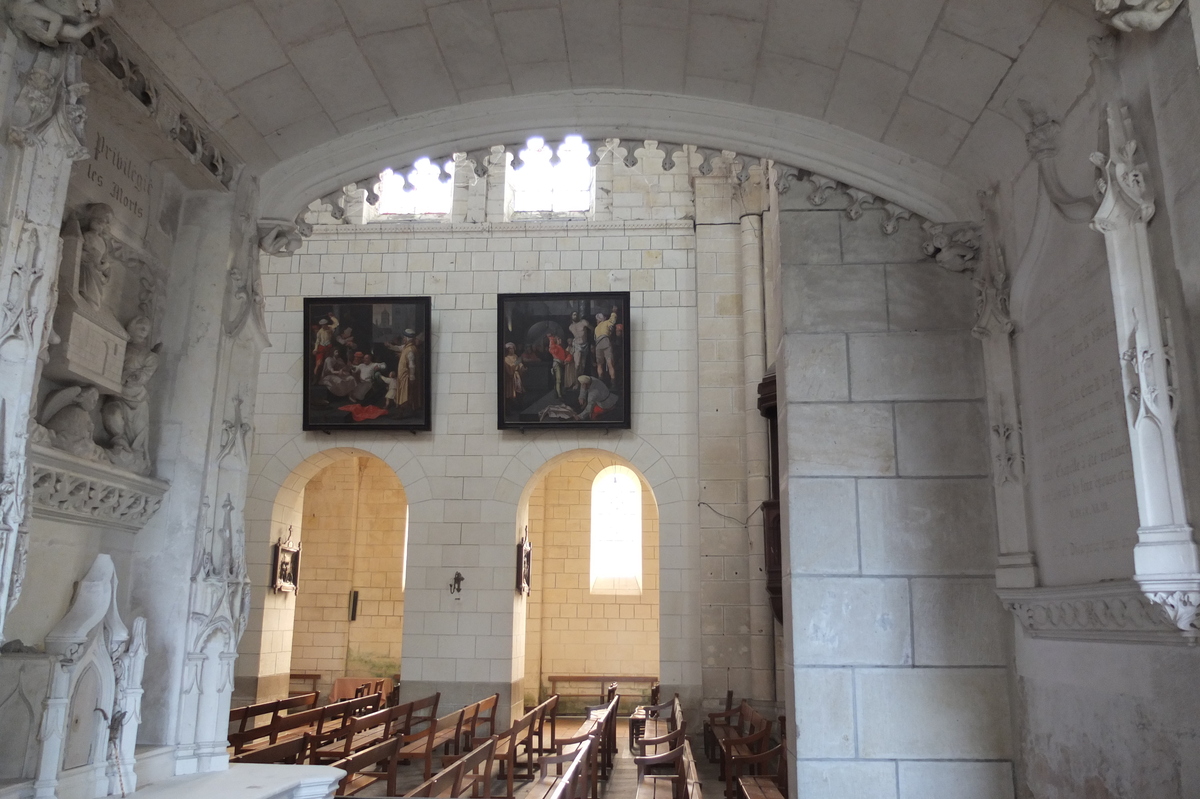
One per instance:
(958,248)
(44,138)
(1166,558)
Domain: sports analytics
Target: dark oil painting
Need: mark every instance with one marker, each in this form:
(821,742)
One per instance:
(563,360)
(367,363)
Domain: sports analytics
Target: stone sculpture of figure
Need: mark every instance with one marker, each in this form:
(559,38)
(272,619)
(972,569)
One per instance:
(127,417)
(67,420)
(55,22)
(95,262)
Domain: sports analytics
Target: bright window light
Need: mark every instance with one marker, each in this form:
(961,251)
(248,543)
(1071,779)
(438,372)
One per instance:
(560,182)
(427,189)
(616,559)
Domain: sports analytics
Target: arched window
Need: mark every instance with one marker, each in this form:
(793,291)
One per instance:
(616,541)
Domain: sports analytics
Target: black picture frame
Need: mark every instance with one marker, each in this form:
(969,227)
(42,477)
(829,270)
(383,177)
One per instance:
(285,566)
(539,360)
(394,334)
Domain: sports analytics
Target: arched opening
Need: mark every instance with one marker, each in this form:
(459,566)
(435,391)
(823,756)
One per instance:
(581,621)
(350,604)
(348,511)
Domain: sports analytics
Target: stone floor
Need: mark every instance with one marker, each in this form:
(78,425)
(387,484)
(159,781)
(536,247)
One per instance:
(621,784)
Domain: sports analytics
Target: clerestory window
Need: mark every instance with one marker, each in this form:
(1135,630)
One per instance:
(426,191)
(616,539)
(549,181)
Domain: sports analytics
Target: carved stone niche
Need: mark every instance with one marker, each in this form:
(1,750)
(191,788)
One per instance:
(74,709)
(92,341)
(68,488)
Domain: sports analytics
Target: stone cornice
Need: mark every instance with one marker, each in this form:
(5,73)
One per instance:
(546,228)
(72,489)
(1117,611)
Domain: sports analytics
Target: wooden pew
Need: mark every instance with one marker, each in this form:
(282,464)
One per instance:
(369,766)
(545,727)
(361,733)
(243,737)
(509,744)
(470,774)
(289,752)
(574,783)
(660,728)
(682,783)
(243,716)
(600,724)
(749,776)
(637,719)
(743,731)
(422,745)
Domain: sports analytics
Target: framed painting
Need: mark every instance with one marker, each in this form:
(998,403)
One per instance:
(563,360)
(367,363)
(285,566)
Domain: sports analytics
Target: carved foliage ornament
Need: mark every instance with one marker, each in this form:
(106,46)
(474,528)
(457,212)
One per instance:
(859,201)
(49,104)
(89,496)
(1107,611)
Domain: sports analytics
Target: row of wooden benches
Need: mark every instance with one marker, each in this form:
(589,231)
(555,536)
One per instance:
(740,740)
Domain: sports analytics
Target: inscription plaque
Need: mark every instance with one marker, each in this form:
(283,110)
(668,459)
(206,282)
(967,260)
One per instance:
(1081,487)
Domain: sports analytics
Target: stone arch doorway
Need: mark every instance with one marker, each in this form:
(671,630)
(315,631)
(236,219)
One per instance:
(579,620)
(349,511)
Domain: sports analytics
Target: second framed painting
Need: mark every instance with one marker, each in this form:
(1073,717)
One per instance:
(367,363)
(563,360)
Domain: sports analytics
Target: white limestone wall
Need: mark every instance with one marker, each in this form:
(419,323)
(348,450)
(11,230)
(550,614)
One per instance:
(897,685)
(464,480)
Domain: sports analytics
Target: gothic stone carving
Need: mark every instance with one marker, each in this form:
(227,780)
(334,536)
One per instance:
(1131,15)
(73,489)
(55,22)
(93,705)
(127,416)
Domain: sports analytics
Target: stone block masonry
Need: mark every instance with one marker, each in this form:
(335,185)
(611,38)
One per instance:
(897,669)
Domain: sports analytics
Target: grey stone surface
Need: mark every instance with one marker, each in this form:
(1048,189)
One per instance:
(810,237)
(823,526)
(941,438)
(816,367)
(924,296)
(863,242)
(838,780)
(935,526)
(833,440)
(959,622)
(851,621)
(834,299)
(825,712)
(933,780)
(915,366)
(948,714)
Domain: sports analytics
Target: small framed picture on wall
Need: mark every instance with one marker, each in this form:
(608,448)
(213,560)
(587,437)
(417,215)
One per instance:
(367,363)
(285,566)
(563,360)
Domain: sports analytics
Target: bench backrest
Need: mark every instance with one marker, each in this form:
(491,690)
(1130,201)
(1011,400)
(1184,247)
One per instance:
(313,717)
(298,702)
(545,723)
(485,717)
(475,770)
(288,752)
(423,711)
(354,764)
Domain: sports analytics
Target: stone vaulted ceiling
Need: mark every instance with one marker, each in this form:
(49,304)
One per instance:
(935,79)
